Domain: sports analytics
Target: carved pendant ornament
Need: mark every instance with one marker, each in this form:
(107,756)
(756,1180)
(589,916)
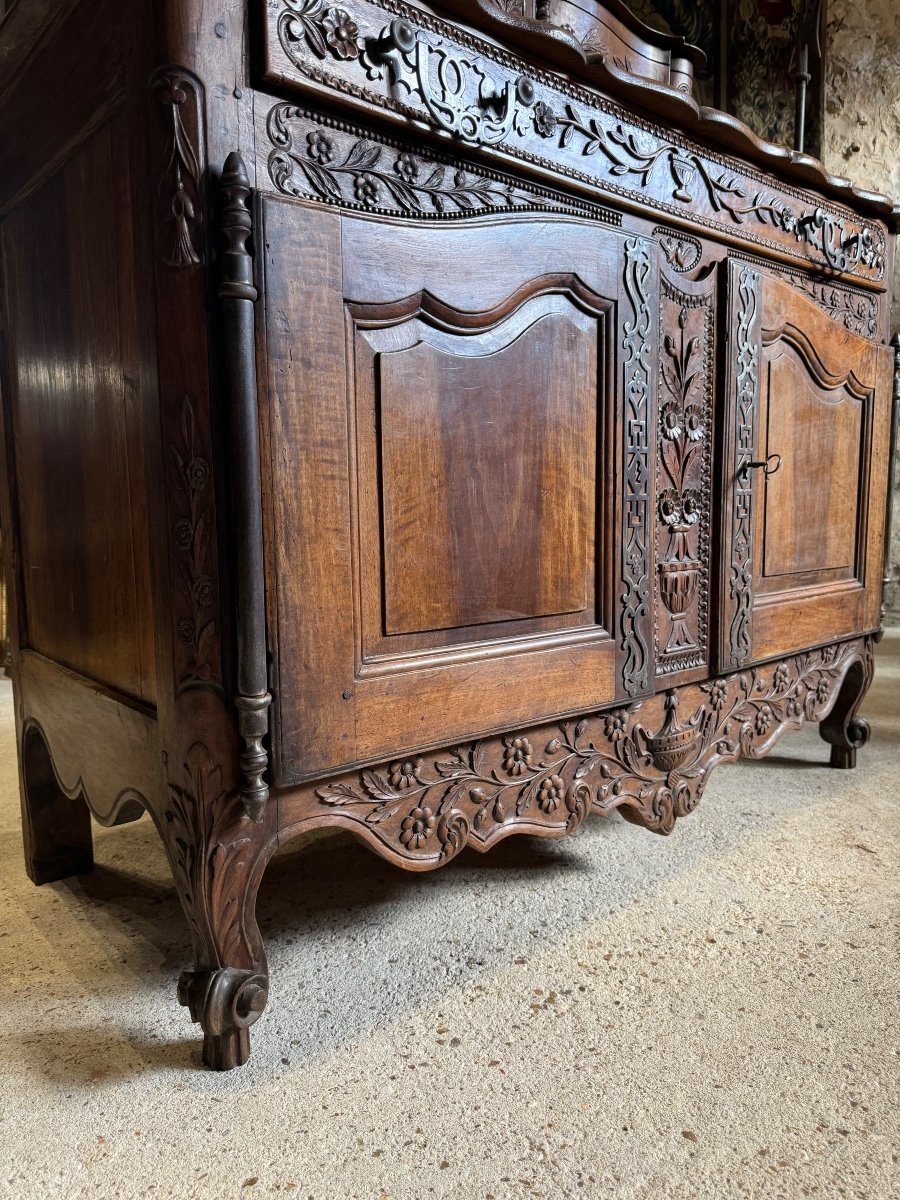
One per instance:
(418,66)
(180,96)
(651,759)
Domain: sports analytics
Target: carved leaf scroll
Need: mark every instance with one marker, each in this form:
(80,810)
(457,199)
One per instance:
(651,759)
(635,563)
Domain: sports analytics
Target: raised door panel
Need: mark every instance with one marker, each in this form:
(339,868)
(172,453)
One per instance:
(458,523)
(809,408)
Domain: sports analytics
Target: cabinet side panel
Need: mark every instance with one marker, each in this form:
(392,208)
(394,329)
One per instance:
(71,317)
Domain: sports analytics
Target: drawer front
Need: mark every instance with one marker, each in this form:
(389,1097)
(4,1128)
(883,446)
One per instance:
(459,521)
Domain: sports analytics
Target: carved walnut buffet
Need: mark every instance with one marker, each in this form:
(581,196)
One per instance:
(422,420)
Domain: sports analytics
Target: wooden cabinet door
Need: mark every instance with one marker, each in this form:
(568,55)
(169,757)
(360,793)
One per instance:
(803,536)
(457,524)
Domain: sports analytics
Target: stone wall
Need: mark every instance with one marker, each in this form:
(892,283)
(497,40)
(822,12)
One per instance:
(862,138)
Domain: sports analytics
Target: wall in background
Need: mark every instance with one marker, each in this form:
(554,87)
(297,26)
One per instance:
(862,138)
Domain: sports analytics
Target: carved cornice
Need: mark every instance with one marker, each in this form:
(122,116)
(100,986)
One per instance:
(331,160)
(420,67)
(651,759)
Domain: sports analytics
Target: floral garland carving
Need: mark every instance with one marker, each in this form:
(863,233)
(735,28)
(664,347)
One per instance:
(642,758)
(683,477)
(507,115)
(314,155)
(196,628)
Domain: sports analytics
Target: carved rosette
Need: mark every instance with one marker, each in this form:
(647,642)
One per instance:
(414,65)
(180,97)
(651,759)
(740,581)
(635,563)
(683,471)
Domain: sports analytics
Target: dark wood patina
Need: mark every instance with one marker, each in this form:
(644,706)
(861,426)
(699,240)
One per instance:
(422,420)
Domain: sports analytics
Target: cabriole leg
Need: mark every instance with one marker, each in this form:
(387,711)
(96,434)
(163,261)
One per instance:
(56,827)
(842,728)
(218,856)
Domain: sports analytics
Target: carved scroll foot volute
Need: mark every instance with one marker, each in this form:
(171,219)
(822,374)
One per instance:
(843,728)
(225,1003)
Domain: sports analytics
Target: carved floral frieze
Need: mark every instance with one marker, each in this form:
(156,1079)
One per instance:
(411,64)
(651,759)
(330,160)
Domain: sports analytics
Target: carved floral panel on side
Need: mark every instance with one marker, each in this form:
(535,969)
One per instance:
(651,759)
(683,469)
(414,65)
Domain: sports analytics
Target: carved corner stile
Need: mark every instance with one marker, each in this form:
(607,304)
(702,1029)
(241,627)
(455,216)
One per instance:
(238,295)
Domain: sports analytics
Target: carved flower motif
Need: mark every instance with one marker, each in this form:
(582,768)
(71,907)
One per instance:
(402,775)
(614,727)
(763,720)
(365,188)
(669,507)
(671,422)
(183,532)
(417,828)
(780,677)
(196,474)
(550,793)
(693,423)
(319,146)
(341,32)
(544,119)
(718,693)
(203,592)
(407,167)
(690,506)
(517,755)
(186,630)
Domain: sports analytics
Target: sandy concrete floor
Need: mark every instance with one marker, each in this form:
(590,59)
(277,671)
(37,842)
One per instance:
(711,1015)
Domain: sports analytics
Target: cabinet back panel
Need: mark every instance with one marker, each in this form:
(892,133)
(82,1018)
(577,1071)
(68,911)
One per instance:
(76,422)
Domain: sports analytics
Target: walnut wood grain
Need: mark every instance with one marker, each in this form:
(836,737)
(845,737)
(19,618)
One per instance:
(433,415)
